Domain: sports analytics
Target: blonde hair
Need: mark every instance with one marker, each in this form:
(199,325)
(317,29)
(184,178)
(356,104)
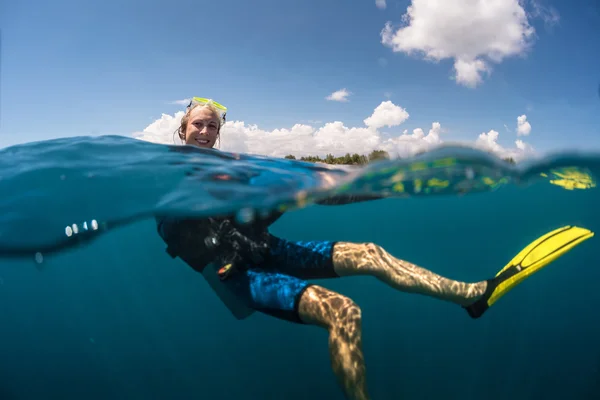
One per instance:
(186,117)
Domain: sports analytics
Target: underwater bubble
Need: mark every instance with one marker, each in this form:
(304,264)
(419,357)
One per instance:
(245,215)
(469,173)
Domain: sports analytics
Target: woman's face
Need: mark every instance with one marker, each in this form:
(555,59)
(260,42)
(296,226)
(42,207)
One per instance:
(202,128)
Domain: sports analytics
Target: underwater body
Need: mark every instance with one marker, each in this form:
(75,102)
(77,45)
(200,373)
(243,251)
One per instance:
(93,307)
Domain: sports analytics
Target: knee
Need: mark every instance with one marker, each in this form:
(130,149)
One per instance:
(371,248)
(345,310)
(347,320)
(327,308)
(370,252)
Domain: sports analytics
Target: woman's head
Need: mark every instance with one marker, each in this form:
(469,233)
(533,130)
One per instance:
(201,125)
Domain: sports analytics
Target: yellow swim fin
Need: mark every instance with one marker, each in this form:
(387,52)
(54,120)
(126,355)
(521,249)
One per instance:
(531,259)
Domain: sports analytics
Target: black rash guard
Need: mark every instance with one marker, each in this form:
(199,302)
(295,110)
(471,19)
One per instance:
(200,241)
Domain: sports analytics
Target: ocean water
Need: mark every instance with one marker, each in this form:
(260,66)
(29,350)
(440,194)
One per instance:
(92,307)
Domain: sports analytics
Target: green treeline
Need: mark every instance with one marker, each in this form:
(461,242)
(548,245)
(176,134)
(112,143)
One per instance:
(356,159)
(348,159)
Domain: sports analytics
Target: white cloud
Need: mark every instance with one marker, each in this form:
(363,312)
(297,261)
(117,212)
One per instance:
(468,73)
(547,14)
(489,142)
(182,102)
(331,137)
(406,145)
(340,95)
(521,145)
(300,140)
(162,130)
(380,4)
(386,114)
(473,33)
(523,127)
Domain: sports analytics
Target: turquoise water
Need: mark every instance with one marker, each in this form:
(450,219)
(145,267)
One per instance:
(93,307)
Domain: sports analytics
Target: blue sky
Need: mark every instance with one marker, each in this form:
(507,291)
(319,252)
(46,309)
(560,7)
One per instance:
(75,68)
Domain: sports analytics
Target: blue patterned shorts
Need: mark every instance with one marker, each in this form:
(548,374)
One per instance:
(275,286)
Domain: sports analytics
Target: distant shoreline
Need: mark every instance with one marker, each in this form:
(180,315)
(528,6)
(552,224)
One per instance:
(356,159)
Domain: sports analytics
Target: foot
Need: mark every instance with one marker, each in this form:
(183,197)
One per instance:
(531,259)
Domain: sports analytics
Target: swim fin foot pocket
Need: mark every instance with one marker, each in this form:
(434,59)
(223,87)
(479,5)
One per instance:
(531,259)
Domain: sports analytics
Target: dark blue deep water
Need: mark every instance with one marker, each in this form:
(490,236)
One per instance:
(91,306)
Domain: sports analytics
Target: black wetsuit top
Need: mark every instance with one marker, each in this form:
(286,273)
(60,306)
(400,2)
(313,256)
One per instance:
(200,241)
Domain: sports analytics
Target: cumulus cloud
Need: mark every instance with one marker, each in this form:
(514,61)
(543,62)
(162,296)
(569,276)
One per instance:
(162,130)
(340,95)
(469,73)
(472,33)
(523,126)
(182,102)
(409,144)
(387,114)
(489,142)
(331,138)
(380,4)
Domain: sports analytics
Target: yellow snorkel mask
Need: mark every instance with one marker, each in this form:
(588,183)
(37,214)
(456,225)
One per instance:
(201,100)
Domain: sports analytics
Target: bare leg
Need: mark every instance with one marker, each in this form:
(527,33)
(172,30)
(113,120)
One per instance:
(342,318)
(371,259)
